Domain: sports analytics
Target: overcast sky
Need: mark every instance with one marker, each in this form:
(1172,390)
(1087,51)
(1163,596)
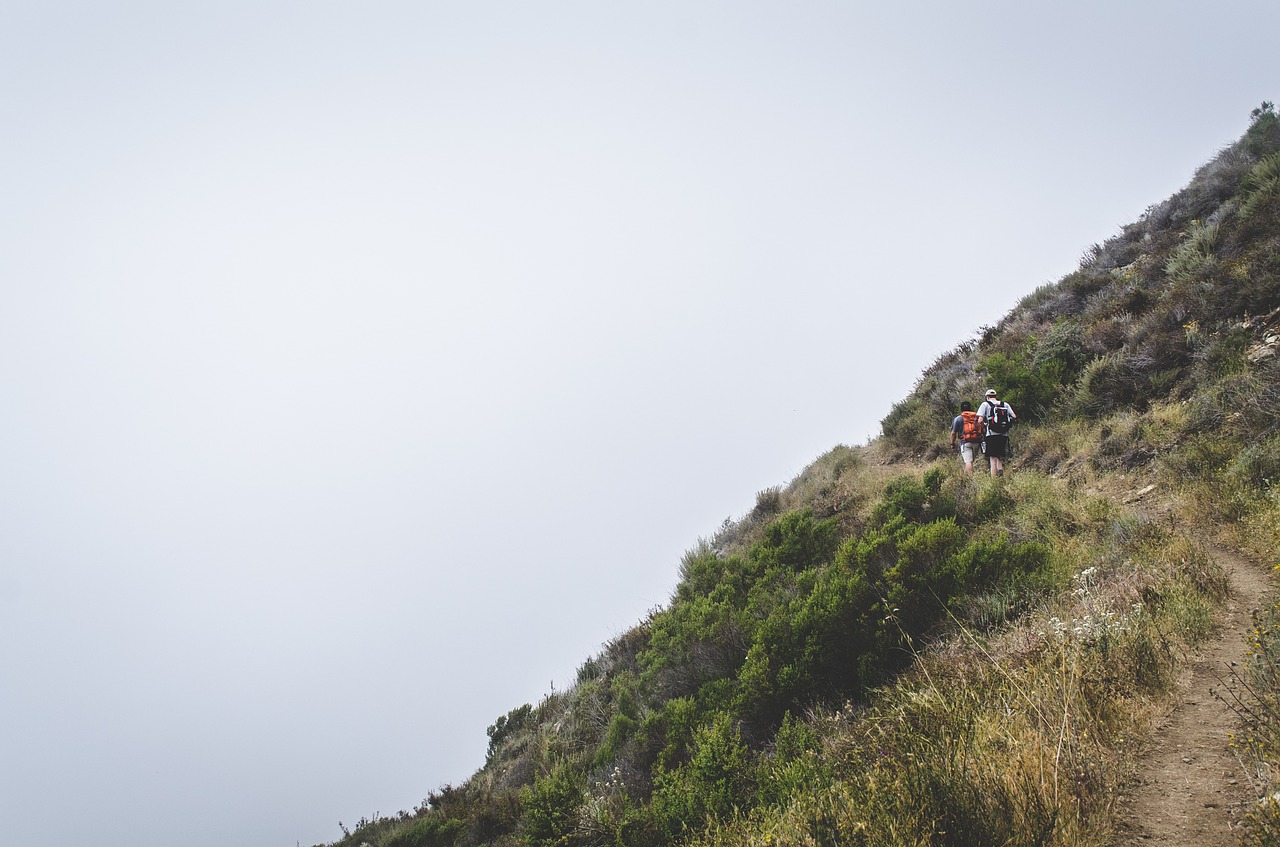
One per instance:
(364,367)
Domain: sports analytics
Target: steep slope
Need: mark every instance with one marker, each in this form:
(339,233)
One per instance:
(887,652)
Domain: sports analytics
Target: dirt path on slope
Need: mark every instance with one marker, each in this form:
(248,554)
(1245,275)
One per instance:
(1191,790)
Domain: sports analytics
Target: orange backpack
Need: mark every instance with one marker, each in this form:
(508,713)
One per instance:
(972,427)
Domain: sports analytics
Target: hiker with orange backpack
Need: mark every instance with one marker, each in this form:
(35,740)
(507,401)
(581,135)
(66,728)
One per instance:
(968,429)
(998,418)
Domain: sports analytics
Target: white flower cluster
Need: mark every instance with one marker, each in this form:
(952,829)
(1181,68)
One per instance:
(1096,622)
(610,787)
(1089,628)
(1084,581)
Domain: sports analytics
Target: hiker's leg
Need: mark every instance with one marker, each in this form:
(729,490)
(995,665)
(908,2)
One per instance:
(996,448)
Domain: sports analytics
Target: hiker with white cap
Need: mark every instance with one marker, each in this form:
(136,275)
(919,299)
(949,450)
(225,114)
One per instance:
(998,417)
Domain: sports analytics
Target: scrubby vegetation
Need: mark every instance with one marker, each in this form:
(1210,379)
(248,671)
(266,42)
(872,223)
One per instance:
(1184,297)
(886,652)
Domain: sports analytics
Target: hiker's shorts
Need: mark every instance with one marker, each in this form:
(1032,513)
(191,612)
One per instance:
(996,446)
(969,451)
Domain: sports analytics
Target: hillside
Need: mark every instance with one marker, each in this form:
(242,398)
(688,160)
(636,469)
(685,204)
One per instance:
(886,651)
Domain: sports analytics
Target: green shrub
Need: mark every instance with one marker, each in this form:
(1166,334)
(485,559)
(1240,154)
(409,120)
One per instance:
(625,720)
(701,569)
(716,781)
(1031,379)
(1060,355)
(549,808)
(698,639)
(924,578)
(909,500)
(622,728)
(912,425)
(796,540)
(988,563)
(815,646)
(672,727)
(904,497)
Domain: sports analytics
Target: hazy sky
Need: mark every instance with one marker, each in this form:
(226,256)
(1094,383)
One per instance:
(365,366)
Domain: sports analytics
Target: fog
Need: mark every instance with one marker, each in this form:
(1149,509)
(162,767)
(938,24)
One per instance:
(364,368)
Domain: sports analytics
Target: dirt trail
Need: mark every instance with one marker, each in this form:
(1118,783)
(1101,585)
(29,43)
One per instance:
(1191,790)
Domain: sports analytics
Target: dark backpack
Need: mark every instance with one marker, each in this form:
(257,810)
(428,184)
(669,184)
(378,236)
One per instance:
(1001,421)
